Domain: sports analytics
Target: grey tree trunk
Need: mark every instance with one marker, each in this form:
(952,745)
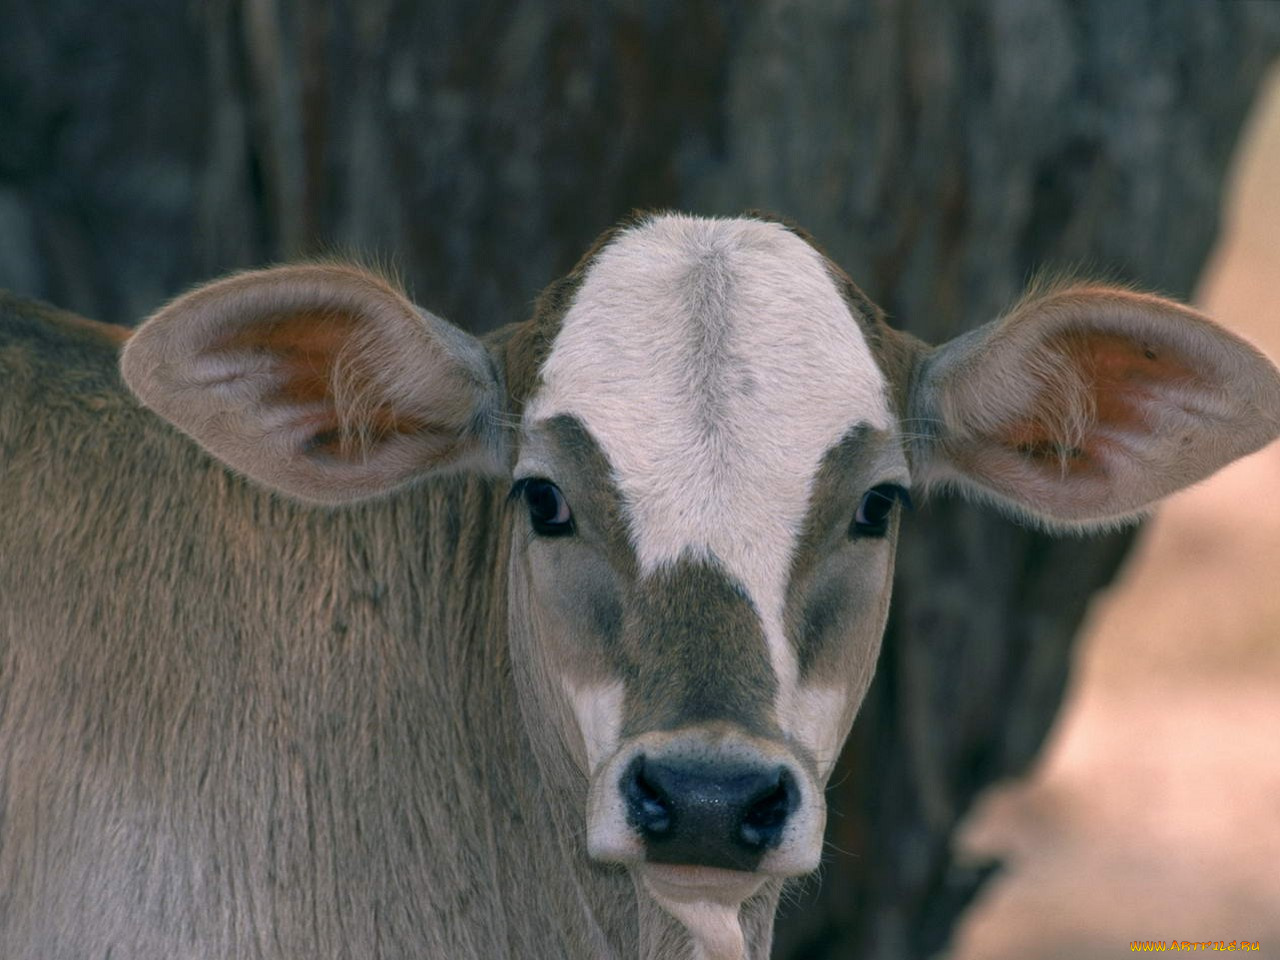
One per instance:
(942,152)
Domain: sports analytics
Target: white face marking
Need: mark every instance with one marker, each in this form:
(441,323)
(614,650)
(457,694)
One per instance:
(598,709)
(715,362)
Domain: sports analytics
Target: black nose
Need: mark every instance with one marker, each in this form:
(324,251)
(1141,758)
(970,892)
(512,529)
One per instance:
(708,814)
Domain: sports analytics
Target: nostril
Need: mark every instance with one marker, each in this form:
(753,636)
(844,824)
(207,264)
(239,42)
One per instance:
(708,813)
(766,813)
(648,806)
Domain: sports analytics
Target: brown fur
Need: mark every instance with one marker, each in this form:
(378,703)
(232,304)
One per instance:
(248,726)
(367,381)
(236,725)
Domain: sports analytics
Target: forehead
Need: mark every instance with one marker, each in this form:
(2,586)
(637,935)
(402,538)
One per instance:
(714,362)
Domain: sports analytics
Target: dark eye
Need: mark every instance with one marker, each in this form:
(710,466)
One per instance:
(872,516)
(548,509)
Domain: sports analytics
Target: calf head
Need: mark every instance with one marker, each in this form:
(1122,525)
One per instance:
(710,434)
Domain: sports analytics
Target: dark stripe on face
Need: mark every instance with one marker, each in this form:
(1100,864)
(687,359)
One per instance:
(686,640)
(834,580)
(584,474)
(693,652)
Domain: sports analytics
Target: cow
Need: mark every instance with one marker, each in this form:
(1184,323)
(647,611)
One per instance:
(328,630)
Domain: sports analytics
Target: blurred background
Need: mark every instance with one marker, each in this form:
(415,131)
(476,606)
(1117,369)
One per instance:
(1154,810)
(942,152)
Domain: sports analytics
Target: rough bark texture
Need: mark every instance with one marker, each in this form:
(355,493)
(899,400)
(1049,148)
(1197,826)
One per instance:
(942,152)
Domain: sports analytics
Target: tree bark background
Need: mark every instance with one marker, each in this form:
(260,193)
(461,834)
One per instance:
(942,152)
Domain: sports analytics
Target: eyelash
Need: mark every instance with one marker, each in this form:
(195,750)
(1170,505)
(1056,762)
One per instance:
(865,523)
(542,488)
(874,525)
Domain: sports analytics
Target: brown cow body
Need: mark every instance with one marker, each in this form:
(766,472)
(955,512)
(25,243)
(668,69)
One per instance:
(296,741)
(234,725)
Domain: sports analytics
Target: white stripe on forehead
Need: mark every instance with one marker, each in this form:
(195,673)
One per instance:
(714,362)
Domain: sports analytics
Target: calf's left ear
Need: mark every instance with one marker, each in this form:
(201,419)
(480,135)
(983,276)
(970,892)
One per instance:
(1086,404)
(320,380)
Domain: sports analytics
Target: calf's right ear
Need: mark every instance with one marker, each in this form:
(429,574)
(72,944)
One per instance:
(321,381)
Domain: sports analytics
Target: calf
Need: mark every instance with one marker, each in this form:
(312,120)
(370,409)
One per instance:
(541,645)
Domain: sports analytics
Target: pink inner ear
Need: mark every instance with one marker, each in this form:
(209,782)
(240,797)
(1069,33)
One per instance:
(305,348)
(303,345)
(1122,377)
